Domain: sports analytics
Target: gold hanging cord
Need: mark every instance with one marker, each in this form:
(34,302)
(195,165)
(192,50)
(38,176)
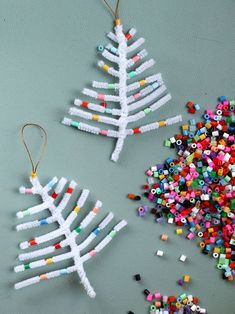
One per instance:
(34,165)
(115,12)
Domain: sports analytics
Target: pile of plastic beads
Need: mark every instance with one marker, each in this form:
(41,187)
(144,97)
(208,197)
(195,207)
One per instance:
(196,190)
(175,305)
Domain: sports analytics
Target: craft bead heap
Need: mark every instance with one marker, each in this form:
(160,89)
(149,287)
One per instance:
(163,304)
(197,189)
(135,100)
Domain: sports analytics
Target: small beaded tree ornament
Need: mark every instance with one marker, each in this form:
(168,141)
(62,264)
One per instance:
(135,100)
(50,193)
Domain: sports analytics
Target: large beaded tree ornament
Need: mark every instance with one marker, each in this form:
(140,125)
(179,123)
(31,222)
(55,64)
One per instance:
(55,196)
(128,101)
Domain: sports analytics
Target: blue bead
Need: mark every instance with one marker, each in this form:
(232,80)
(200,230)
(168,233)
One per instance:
(96,231)
(43,222)
(222,98)
(63,271)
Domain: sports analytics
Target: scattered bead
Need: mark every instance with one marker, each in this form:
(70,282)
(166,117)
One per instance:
(186,278)
(195,191)
(146,292)
(183,258)
(180,282)
(164,237)
(137,277)
(159,253)
(179,231)
(134,197)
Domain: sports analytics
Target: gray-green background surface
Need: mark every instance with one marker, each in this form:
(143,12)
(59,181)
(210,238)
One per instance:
(47,55)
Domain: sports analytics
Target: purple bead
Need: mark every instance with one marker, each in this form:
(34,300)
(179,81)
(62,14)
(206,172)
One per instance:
(180,282)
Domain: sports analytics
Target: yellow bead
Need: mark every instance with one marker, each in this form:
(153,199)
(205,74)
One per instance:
(49,261)
(105,67)
(162,123)
(179,231)
(178,305)
(33,174)
(186,278)
(77,209)
(208,125)
(142,82)
(185,127)
(95,117)
(220,172)
(216,250)
(118,22)
(185,301)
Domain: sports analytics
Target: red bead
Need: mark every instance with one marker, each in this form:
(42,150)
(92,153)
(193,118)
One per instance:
(136,130)
(32,242)
(54,195)
(70,190)
(128,36)
(85,104)
(103,104)
(57,246)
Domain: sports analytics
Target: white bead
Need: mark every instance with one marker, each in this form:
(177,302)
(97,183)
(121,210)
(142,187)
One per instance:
(160,253)
(183,258)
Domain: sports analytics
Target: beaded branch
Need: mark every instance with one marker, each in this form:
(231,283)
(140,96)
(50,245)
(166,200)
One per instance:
(136,99)
(70,235)
(55,196)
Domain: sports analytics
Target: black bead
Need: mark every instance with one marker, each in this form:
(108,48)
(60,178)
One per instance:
(146,292)
(130,312)
(153,211)
(137,198)
(137,277)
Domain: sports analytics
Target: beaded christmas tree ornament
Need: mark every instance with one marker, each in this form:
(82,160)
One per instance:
(55,196)
(135,100)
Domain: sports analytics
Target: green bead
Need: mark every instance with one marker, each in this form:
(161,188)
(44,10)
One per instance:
(232,204)
(100,48)
(74,124)
(147,110)
(183,296)
(167,143)
(111,86)
(26,212)
(112,233)
(232,102)
(227,178)
(132,74)
(78,229)
(26,266)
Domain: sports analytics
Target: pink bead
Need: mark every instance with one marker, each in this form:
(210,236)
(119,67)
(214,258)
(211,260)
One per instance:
(149,297)
(190,236)
(137,95)
(136,58)
(220,106)
(157,295)
(92,253)
(212,239)
(149,173)
(28,191)
(101,96)
(104,132)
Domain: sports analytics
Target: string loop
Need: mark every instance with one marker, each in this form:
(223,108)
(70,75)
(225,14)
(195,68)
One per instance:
(115,12)
(34,165)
